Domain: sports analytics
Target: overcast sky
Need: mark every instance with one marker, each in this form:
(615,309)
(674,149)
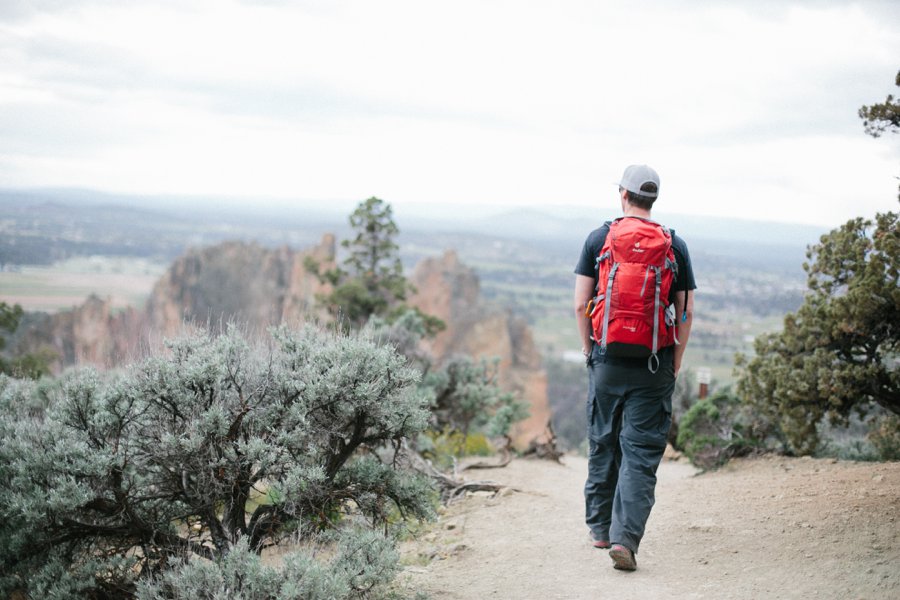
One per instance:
(746,108)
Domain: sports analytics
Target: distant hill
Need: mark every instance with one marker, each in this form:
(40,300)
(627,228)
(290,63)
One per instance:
(551,222)
(715,241)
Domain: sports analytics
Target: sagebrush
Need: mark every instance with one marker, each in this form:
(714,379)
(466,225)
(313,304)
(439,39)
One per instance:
(108,480)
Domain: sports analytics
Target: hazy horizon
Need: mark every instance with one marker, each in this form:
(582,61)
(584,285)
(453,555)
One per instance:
(746,109)
(549,221)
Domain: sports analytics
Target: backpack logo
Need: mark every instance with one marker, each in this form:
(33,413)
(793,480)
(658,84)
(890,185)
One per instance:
(637,247)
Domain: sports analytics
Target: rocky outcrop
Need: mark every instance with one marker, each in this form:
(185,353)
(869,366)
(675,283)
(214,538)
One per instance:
(450,290)
(257,287)
(207,287)
(239,282)
(91,334)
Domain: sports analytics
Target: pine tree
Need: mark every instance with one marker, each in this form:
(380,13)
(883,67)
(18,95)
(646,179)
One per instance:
(371,280)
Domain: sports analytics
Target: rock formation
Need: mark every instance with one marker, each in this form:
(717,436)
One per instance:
(449,290)
(211,286)
(257,287)
(90,334)
(239,282)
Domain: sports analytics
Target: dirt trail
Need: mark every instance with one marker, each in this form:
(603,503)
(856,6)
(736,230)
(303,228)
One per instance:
(765,527)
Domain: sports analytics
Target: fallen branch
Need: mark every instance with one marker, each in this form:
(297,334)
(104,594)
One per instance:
(505,460)
(451,488)
(545,450)
(478,486)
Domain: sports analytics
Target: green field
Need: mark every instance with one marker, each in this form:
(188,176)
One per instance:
(125,281)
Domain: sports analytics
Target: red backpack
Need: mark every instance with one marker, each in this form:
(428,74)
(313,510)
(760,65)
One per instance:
(630,314)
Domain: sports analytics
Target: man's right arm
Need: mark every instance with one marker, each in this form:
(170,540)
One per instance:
(684,300)
(685,317)
(584,291)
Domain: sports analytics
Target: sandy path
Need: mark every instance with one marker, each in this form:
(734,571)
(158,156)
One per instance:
(766,527)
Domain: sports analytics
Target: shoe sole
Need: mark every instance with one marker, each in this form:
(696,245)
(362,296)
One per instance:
(601,544)
(623,559)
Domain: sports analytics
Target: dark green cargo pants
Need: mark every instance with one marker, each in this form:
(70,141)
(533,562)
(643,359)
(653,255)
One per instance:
(629,411)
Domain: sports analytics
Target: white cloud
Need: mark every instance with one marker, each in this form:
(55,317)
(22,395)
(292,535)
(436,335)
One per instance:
(746,109)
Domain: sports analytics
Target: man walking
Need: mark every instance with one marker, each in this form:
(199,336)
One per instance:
(633,353)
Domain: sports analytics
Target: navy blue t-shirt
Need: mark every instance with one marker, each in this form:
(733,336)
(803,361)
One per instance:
(684,279)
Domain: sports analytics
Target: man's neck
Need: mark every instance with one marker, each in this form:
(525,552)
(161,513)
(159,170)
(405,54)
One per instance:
(633,211)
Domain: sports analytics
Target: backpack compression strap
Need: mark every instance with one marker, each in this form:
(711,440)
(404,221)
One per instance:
(609,297)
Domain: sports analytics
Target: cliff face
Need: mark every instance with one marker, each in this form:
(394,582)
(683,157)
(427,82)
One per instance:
(91,334)
(241,282)
(211,286)
(449,290)
(257,287)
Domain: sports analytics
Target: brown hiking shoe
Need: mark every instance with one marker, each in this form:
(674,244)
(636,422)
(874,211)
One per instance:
(623,558)
(596,543)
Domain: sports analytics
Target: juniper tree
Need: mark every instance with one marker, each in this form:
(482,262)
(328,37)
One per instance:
(370,280)
(106,479)
(885,116)
(840,352)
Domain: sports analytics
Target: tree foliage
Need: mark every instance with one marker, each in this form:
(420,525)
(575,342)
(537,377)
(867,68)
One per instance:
(840,352)
(885,437)
(467,398)
(465,392)
(218,444)
(369,291)
(371,280)
(882,117)
(33,364)
(9,319)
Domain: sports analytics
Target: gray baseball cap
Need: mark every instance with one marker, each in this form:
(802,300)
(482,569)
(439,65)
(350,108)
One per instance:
(637,175)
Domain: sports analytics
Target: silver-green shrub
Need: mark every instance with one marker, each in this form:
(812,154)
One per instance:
(467,397)
(216,445)
(362,567)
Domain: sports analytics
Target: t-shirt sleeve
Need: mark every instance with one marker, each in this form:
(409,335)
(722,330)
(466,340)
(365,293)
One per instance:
(685,279)
(587,260)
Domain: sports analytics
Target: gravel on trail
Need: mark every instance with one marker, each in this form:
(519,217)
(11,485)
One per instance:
(760,527)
